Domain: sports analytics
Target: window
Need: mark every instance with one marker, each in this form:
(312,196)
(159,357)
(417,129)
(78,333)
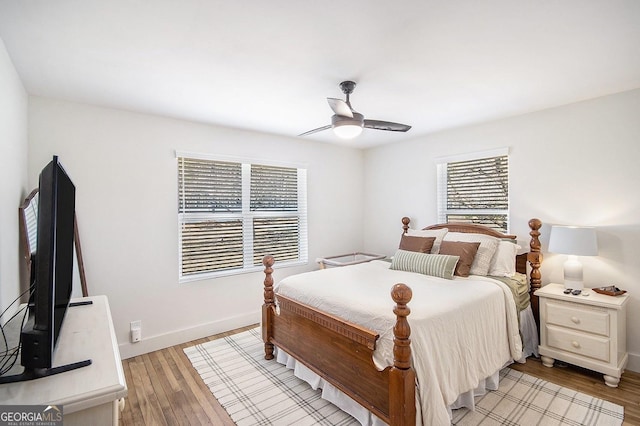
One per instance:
(475,188)
(233,213)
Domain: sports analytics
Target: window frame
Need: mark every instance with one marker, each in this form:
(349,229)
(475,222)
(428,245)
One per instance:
(246,215)
(442,190)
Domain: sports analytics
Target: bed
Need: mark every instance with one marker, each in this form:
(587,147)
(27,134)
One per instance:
(370,359)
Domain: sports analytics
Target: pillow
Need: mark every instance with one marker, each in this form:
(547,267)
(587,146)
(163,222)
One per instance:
(437,233)
(466,252)
(488,246)
(437,265)
(419,244)
(503,263)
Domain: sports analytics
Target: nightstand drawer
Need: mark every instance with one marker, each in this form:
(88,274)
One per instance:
(578,343)
(579,317)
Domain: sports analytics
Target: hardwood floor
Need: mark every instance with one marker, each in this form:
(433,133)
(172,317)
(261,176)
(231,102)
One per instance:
(164,389)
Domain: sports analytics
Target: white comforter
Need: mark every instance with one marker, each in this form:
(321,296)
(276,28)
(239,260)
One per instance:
(462,330)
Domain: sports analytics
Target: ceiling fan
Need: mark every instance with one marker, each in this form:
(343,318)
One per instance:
(347,123)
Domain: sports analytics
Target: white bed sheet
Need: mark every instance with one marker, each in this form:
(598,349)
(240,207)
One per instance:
(463,330)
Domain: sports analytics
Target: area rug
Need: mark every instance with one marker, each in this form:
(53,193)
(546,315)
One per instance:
(522,399)
(255,391)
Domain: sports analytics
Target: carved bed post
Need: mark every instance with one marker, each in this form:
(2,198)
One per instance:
(405,224)
(534,257)
(268,307)
(402,403)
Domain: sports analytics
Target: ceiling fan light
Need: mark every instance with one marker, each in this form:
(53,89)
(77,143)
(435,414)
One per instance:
(347,131)
(347,127)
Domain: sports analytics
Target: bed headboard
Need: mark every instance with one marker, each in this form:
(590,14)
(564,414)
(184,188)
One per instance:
(534,256)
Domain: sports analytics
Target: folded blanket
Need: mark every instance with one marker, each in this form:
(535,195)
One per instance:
(519,287)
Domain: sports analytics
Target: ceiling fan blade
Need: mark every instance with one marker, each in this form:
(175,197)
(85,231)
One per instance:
(386,125)
(319,129)
(340,107)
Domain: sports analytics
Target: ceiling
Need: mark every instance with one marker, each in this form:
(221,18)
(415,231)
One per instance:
(270,65)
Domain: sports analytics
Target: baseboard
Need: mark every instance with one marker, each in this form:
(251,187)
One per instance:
(634,363)
(154,343)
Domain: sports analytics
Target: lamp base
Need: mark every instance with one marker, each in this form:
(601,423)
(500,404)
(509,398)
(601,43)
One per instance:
(573,273)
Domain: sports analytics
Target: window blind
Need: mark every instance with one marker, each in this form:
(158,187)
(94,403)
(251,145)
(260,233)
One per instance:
(476,191)
(232,214)
(274,188)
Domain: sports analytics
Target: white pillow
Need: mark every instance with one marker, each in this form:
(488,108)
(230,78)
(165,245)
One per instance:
(437,233)
(488,246)
(503,263)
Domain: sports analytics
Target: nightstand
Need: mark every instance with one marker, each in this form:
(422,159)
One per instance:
(589,331)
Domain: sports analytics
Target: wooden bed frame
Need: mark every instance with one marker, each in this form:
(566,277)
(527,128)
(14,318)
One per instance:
(341,352)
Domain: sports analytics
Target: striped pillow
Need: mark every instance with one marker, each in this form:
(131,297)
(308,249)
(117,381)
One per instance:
(437,265)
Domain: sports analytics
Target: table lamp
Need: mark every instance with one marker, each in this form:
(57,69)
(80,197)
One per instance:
(574,241)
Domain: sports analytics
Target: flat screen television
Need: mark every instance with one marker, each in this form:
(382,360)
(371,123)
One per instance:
(52,275)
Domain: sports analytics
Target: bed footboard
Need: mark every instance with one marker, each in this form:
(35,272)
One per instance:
(341,352)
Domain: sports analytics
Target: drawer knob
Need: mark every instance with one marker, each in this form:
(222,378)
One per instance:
(575,320)
(575,344)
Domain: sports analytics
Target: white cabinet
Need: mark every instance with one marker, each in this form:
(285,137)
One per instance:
(589,331)
(91,395)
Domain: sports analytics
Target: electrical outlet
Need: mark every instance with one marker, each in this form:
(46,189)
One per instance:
(136,331)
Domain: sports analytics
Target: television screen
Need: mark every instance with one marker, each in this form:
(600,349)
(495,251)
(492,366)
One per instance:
(53,266)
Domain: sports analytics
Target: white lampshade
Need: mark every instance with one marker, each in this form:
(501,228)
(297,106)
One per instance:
(579,241)
(574,241)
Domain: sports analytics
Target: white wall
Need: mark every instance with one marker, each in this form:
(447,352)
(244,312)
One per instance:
(574,165)
(13,174)
(124,168)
